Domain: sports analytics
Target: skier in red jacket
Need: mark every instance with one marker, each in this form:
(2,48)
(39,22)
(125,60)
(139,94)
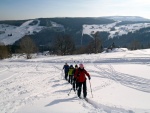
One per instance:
(81,78)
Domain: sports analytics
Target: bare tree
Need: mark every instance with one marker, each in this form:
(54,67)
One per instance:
(64,44)
(96,44)
(134,45)
(4,52)
(58,45)
(27,46)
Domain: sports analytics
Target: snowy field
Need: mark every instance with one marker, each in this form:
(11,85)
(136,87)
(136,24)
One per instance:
(120,82)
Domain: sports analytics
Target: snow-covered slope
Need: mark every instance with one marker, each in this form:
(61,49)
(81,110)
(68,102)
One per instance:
(120,83)
(127,18)
(113,29)
(10,34)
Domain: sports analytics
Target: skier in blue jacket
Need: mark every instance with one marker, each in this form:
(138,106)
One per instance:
(66,70)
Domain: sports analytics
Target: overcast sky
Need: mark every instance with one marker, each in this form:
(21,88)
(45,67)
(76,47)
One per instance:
(30,9)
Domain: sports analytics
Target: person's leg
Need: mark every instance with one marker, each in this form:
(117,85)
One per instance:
(84,89)
(66,74)
(73,84)
(77,84)
(71,79)
(79,88)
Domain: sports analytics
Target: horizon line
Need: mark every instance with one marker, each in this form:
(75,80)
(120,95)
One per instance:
(73,17)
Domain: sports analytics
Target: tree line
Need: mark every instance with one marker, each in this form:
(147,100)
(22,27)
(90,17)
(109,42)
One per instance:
(63,45)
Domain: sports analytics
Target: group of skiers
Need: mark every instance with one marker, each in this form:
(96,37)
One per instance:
(77,77)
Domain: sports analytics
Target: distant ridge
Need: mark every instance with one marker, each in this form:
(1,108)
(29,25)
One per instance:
(127,18)
(118,29)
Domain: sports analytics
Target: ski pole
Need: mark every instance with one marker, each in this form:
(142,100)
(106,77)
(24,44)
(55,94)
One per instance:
(69,92)
(72,89)
(91,88)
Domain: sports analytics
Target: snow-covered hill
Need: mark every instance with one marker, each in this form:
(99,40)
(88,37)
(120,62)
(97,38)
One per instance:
(113,29)
(9,34)
(117,30)
(120,83)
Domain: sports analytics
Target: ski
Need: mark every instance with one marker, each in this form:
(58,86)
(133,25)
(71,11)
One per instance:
(86,99)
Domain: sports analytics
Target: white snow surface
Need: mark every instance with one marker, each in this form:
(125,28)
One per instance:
(120,83)
(113,29)
(17,32)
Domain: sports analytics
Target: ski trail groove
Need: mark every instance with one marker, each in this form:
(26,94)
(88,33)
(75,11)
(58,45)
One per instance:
(138,83)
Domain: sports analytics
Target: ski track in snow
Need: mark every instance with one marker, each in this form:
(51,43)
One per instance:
(137,83)
(24,86)
(4,68)
(134,82)
(27,86)
(108,109)
(31,81)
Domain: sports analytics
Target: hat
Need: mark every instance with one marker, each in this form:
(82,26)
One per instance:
(81,66)
(76,65)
